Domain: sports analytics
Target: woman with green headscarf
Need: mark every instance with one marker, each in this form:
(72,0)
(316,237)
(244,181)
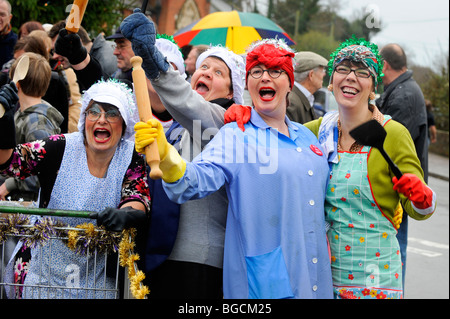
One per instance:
(363,195)
(364,201)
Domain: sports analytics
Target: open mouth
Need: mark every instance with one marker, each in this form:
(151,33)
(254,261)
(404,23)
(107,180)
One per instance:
(201,88)
(349,91)
(267,94)
(102,135)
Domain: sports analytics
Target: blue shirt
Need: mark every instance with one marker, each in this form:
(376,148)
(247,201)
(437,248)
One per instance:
(275,242)
(7,43)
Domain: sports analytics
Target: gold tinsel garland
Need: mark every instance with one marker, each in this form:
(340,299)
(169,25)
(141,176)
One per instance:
(127,258)
(40,232)
(92,238)
(81,242)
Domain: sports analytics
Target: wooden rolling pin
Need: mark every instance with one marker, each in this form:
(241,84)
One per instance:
(145,113)
(76,14)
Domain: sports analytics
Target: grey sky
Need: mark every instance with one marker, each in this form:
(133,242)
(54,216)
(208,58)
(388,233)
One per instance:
(420,26)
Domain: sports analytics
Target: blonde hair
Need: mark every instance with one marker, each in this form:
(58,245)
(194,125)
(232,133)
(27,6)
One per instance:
(38,77)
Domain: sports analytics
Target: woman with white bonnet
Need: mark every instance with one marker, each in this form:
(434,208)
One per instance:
(95,169)
(193,268)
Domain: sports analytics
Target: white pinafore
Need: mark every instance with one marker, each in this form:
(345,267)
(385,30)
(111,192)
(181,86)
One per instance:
(76,189)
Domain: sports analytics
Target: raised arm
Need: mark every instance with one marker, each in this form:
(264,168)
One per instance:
(185,105)
(87,69)
(8,100)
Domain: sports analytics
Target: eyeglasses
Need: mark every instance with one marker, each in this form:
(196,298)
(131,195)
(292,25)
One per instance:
(361,73)
(258,72)
(94,113)
(121,46)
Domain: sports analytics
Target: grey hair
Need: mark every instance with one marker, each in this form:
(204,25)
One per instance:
(8,5)
(302,76)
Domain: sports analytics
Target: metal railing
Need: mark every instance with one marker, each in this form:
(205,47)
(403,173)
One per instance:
(94,271)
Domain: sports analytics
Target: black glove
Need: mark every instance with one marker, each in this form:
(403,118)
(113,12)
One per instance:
(117,219)
(141,32)
(69,45)
(8,99)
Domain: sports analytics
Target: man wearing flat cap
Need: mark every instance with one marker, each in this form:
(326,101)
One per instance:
(309,71)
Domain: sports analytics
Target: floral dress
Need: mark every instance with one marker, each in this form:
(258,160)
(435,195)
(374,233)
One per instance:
(46,158)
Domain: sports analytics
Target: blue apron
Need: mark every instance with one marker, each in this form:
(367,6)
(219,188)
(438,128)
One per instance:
(76,189)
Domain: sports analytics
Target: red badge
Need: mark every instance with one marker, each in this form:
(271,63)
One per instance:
(316,150)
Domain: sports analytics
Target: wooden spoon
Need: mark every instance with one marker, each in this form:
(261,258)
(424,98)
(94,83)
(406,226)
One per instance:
(19,74)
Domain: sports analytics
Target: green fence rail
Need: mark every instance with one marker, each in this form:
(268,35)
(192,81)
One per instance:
(46,211)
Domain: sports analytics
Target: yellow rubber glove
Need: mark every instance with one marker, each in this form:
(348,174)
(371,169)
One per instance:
(398,216)
(146,132)
(171,164)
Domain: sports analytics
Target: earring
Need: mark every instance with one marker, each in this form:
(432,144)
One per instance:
(372,96)
(330,87)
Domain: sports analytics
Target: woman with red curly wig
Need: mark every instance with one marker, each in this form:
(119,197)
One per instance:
(275,242)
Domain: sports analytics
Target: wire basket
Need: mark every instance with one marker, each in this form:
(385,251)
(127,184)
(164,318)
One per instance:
(67,261)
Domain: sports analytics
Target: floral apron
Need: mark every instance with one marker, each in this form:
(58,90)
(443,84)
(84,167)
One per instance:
(365,254)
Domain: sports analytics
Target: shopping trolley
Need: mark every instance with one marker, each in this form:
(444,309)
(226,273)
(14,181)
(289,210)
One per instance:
(95,257)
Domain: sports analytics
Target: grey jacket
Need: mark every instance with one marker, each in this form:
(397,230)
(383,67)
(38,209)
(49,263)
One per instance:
(103,50)
(201,231)
(403,100)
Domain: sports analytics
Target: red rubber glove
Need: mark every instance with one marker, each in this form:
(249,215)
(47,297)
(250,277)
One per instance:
(414,189)
(238,113)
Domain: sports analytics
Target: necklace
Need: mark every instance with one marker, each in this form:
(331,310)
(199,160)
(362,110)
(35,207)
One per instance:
(356,147)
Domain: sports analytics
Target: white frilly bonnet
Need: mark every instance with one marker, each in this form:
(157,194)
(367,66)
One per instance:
(115,93)
(236,64)
(172,52)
